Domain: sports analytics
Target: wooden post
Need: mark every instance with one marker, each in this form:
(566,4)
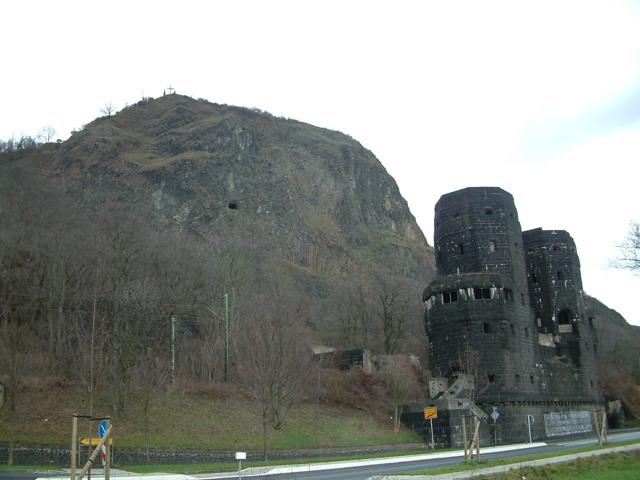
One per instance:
(93,456)
(107,462)
(477,439)
(74,445)
(464,437)
(596,421)
(604,427)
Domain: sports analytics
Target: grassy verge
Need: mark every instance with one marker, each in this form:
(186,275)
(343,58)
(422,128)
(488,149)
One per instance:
(621,466)
(28,468)
(465,466)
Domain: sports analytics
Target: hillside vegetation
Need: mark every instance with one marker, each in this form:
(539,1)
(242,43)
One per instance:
(118,246)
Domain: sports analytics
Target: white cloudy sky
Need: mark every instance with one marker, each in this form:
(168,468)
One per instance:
(540,98)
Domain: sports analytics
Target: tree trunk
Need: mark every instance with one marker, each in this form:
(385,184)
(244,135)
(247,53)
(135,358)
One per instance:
(265,433)
(146,429)
(12,427)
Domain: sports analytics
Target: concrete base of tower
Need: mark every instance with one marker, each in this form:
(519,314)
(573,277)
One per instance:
(505,423)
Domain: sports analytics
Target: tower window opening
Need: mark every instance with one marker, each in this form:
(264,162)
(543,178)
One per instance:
(232,205)
(517,379)
(526,331)
(564,321)
(482,293)
(513,329)
(461,249)
(488,211)
(456,215)
(531,379)
(564,317)
(534,279)
(486,327)
(492,246)
(560,275)
(492,378)
(450,297)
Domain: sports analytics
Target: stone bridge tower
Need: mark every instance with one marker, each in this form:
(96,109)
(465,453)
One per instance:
(512,301)
(480,301)
(566,331)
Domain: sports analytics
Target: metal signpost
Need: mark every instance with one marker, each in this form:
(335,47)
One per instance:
(240,456)
(429,414)
(102,429)
(494,416)
(528,422)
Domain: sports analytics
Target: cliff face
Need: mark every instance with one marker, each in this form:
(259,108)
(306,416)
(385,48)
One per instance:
(618,341)
(312,197)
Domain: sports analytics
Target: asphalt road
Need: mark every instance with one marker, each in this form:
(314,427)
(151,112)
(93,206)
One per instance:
(364,472)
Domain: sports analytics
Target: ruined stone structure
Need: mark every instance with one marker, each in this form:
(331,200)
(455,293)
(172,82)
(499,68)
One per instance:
(514,302)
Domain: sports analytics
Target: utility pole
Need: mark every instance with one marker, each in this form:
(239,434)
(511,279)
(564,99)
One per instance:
(173,349)
(226,336)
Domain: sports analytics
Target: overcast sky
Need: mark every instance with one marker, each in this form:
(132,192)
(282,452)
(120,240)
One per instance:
(539,98)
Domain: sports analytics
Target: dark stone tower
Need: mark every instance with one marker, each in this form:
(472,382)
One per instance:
(565,331)
(515,302)
(480,300)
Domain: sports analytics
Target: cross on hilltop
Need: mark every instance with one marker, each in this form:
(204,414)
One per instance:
(169,89)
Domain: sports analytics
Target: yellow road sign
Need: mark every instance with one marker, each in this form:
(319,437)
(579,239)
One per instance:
(94,441)
(430,413)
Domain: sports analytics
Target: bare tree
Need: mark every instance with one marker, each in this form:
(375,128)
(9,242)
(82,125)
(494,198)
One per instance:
(151,375)
(46,134)
(630,249)
(107,109)
(273,363)
(355,317)
(20,358)
(392,310)
(470,364)
(401,380)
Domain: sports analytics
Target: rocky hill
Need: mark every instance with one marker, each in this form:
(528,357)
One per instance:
(316,198)
(118,244)
(309,205)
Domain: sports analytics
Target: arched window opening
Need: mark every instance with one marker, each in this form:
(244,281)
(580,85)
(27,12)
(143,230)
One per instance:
(488,211)
(564,321)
